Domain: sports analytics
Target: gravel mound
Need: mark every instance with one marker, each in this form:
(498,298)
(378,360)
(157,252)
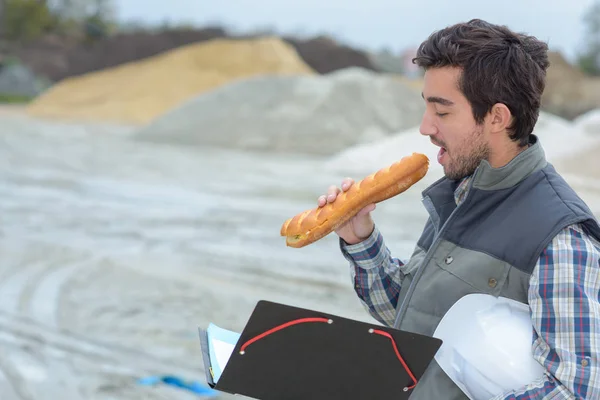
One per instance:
(317,114)
(560,139)
(589,122)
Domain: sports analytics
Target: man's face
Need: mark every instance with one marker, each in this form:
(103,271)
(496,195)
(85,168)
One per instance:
(449,123)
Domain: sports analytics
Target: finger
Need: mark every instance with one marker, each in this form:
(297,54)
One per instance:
(332,193)
(322,200)
(346,183)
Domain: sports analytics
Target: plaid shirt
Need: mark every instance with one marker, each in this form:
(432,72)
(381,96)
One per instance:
(564,299)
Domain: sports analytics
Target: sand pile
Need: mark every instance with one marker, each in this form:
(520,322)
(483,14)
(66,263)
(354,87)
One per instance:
(569,92)
(560,139)
(318,114)
(139,92)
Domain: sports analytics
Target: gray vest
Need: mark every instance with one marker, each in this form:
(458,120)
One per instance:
(489,244)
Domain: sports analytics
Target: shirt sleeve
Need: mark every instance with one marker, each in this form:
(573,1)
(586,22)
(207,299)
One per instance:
(564,301)
(376,276)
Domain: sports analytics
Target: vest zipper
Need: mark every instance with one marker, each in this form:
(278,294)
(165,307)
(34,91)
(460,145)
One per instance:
(432,250)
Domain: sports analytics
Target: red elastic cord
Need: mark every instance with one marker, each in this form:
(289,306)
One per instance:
(304,320)
(399,358)
(280,327)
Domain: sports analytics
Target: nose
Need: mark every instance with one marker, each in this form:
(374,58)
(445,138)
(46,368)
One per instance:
(427,127)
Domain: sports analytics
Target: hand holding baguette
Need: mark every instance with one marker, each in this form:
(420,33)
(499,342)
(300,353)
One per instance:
(347,211)
(357,228)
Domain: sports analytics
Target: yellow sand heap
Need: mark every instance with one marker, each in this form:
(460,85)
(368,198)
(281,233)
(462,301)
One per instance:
(140,91)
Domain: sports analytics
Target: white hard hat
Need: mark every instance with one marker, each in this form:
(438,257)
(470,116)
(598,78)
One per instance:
(486,347)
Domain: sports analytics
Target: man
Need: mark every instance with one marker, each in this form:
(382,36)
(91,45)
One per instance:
(501,221)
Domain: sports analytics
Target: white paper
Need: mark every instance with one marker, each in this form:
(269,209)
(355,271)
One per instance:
(223,351)
(221,343)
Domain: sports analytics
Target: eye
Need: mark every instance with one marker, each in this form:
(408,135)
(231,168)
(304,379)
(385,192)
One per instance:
(441,114)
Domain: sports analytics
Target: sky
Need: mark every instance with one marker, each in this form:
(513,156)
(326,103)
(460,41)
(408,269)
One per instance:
(372,24)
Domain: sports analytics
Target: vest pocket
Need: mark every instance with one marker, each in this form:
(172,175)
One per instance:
(481,271)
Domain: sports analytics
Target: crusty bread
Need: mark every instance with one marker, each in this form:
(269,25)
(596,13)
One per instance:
(314,224)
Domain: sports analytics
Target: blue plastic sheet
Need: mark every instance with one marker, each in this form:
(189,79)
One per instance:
(191,386)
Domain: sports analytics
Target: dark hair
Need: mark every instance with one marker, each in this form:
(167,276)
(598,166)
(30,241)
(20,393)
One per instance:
(498,66)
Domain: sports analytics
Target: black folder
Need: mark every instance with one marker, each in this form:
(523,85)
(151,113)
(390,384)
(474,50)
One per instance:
(290,353)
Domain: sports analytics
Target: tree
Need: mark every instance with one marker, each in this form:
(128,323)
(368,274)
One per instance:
(28,19)
(90,19)
(589,60)
(25,19)
(80,10)
(2,16)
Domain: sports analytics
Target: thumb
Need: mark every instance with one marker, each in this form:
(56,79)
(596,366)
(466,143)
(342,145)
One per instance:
(366,210)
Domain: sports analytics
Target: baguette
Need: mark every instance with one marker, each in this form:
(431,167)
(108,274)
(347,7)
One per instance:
(311,225)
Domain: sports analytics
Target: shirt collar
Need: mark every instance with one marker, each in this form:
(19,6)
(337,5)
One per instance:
(462,189)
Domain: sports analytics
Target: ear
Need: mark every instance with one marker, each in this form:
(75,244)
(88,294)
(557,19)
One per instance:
(500,118)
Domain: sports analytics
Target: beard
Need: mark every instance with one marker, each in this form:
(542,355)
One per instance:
(465,157)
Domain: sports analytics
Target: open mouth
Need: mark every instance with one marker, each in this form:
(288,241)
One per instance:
(441,154)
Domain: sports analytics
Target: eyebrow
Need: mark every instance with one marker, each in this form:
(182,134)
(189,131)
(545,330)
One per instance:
(439,100)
